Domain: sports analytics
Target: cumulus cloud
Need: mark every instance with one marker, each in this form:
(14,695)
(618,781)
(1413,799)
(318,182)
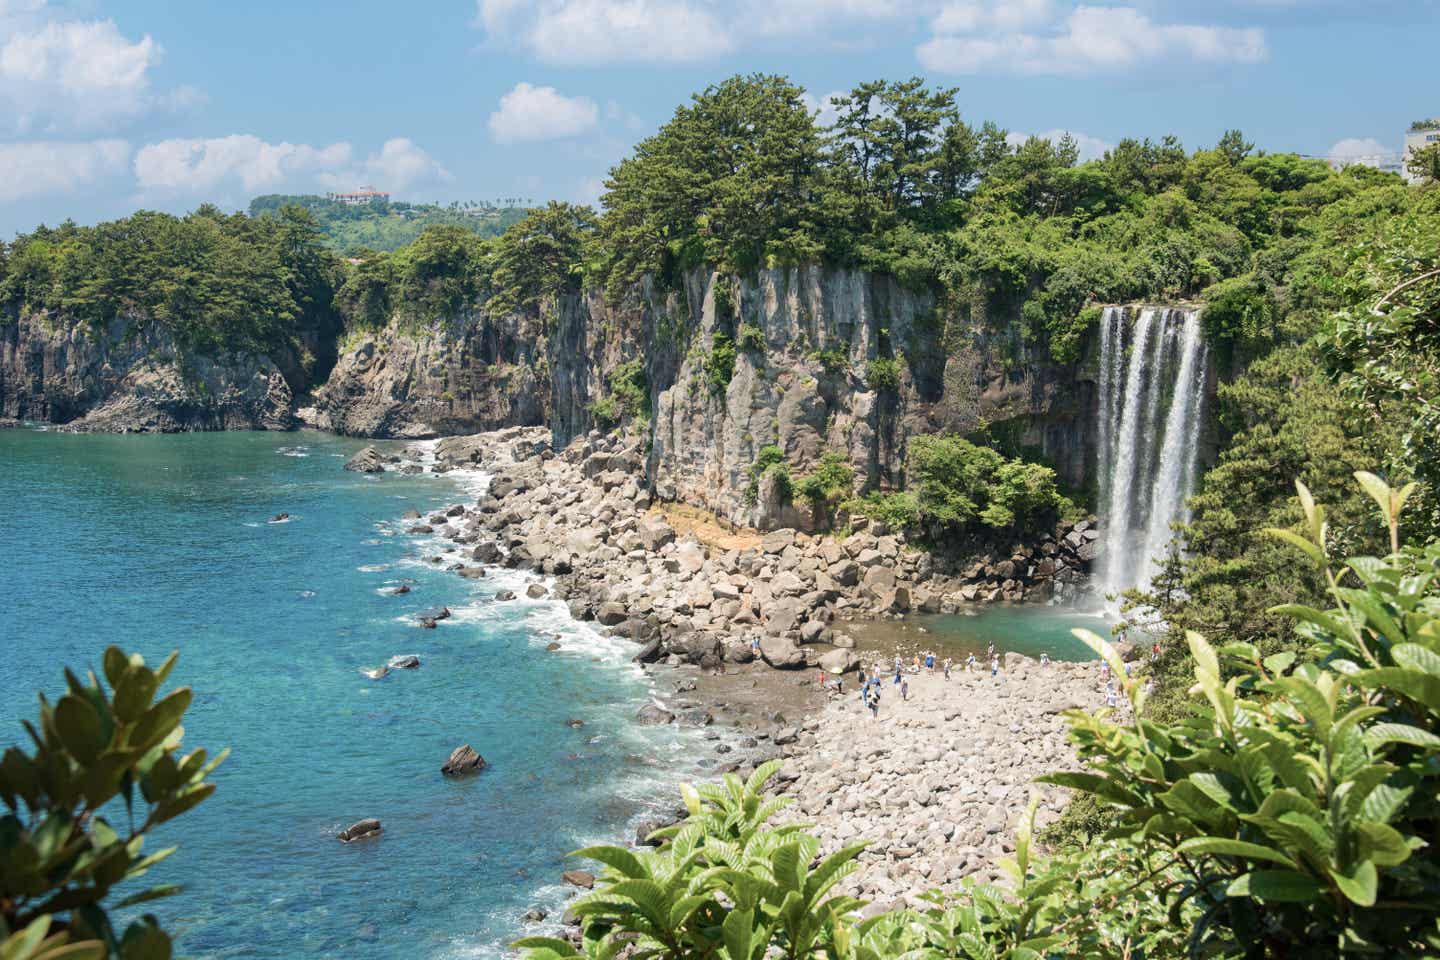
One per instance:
(42,168)
(74,75)
(528,113)
(1090,148)
(1364,150)
(671,31)
(824,111)
(218,164)
(1046,37)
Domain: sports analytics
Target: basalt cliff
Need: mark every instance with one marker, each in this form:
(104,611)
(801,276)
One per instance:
(782,357)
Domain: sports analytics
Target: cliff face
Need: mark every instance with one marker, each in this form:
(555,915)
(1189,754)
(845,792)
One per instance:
(112,381)
(813,386)
(803,379)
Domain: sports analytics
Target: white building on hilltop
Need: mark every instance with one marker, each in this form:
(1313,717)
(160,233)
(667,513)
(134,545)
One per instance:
(362,196)
(1422,133)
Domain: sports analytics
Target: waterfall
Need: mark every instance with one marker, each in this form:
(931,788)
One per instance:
(1149,437)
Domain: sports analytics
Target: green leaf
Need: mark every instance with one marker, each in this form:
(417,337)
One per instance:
(1412,655)
(736,930)
(79,727)
(1383,844)
(1359,886)
(1418,686)
(1298,542)
(161,719)
(561,948)
(1383,733)
(621,860)
(1234,848)
(1282,886)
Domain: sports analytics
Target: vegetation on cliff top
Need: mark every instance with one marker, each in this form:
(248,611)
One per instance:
(387,225)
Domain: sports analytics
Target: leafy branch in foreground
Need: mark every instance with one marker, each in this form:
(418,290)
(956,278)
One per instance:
(59,858)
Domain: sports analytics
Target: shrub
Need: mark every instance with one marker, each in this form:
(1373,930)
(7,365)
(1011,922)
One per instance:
(832,361)
(897,510)
(60,857)
(750,338)
(956,483)
(629,395)
(832,480)
(882,374)
(770,460)
(719,363)
(724,302)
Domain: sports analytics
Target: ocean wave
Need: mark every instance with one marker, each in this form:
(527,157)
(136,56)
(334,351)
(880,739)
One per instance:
(373,568)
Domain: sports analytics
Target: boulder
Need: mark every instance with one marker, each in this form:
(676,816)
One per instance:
(441,614)
(405,662)
(653,715)
(691,556)
(611,613)
(894,601)
(463,762)
(360,830)
(781,653)
(536,590)
(777,540)
(504,595)
(579,878)
(655,533)
(838,661)
(367,460)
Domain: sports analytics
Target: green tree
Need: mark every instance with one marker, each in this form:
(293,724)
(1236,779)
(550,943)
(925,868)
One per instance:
(1424,163)
(60,856)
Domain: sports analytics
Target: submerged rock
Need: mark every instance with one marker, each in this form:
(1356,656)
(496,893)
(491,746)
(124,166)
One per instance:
(441,614)
(360,830)
(405,662)
(463,762)
(401,590)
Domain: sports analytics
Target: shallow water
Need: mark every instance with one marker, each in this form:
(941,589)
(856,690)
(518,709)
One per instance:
(1029,629)
(159,543)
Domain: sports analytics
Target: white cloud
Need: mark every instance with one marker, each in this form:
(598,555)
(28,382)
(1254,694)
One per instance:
(1044,37)
(1090,148)
(672,31)
(607,31)
(824,111)
(1362,150)
(74,75)
(529,113)
(221,164)
(401,163)
(40,168)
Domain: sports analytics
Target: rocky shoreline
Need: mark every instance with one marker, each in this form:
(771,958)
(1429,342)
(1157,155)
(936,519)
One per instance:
(690,591)
(934,783)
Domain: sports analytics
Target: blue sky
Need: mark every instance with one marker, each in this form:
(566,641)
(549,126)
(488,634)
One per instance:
(110,106)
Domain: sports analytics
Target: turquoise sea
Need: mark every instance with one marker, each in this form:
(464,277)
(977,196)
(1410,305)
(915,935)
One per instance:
(157,543)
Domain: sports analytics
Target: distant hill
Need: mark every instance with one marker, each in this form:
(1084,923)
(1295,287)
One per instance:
(387,225)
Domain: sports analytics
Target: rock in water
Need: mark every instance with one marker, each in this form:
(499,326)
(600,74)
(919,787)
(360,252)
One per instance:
(405,662)
(505,595)
(579,878)
(366,461)
(280,518)
(440,614)
(400,591)
(463,762)
(360,830)
(535,591)
(375,674)
(652,715)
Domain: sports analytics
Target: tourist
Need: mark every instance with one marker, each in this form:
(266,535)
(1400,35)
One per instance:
(821,681)
(970,664)
(904,689)
(1155,652)
(840,685)
(863,682)
(930,661)
(1044,659)
(990,650)
(947,668)
(994,667)
(875,706)
(1105,671)
(899,668)
(1112,699)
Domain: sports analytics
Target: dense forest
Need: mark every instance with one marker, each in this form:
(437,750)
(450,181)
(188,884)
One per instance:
(386,224)
(1274,820)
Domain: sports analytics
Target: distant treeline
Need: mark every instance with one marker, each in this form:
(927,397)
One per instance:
(387,225)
